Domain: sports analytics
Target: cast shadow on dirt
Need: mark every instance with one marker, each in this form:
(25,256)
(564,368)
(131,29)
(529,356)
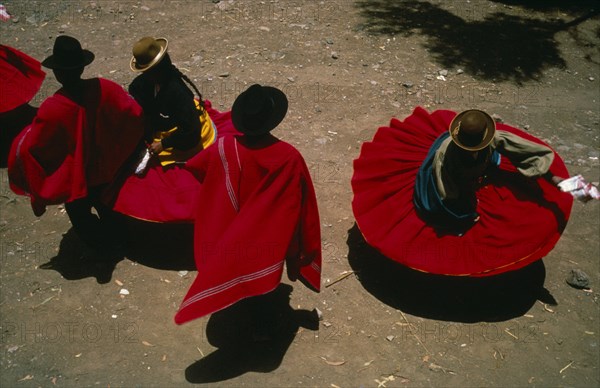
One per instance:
(75,260)
(252,335)
(553,7)
(488,45)
(446,298)
(160,246)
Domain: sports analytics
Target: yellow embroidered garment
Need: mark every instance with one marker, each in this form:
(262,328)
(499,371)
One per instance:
(208,134)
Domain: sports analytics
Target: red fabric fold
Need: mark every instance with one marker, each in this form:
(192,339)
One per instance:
(256,209)
(20,78)
(70,147)
(521,219)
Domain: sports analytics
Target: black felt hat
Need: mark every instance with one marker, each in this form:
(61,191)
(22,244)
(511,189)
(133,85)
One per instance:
(258,110)
(68,54)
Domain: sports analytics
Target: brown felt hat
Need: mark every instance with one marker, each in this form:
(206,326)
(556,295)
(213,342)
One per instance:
(147,52)
(472,129)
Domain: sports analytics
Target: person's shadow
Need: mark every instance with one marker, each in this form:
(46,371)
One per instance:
(75,260)
(446,298)
(251,335)
(155,245)
(160,245)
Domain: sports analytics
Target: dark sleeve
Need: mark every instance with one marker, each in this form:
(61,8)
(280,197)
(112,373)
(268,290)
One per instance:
(141,91)
(138,89)
(185,116)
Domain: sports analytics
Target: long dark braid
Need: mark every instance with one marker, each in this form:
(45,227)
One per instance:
(165,68)
(191,83)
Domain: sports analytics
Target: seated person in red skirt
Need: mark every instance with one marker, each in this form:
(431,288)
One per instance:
(177,126)
(256,210)
(79,139)
(458,162)
(447,193)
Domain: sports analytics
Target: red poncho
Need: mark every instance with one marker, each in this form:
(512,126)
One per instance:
(70,147)
(20,78)
(521,219)
(256,209)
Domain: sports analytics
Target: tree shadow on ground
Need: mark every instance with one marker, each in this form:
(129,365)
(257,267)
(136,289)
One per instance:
(500,47)
(573,7)
(446,298)
(252,335)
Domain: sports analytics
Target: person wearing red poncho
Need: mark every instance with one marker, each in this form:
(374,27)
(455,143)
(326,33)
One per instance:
(256,210)
(76,144)
(458,194)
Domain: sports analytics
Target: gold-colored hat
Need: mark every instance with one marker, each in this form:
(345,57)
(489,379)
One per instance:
(472,129)
(148,52)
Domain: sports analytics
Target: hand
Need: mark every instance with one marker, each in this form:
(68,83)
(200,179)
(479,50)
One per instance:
(556,180)
(156,148)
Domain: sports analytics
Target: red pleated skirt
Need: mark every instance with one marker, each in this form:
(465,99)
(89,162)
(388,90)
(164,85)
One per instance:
(521,219)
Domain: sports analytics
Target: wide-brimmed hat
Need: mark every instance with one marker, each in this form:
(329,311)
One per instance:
(258,110)
(68,54)
(472,129)
(147,52)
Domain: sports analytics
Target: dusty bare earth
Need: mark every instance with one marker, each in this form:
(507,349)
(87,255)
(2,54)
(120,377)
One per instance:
(347,67)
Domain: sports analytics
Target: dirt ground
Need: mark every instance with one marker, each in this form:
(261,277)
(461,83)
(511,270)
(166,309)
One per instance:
(347,68)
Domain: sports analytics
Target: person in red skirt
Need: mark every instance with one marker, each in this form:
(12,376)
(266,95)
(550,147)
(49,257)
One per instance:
(76,144)
(177,127)
(458,194)
(459,162)
(257,210)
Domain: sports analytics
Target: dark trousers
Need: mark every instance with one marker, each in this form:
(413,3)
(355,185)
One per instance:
(101,231)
